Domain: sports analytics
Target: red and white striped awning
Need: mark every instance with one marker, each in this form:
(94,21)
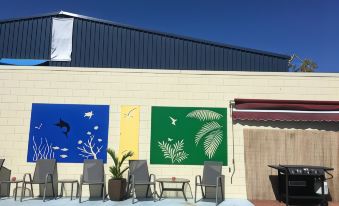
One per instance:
(285,110)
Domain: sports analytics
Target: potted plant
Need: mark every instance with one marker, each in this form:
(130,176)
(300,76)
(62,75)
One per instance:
(117,184)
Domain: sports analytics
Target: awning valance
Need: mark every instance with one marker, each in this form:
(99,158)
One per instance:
(285,110)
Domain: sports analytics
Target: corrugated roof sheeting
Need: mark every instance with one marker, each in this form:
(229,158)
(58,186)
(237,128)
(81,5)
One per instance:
(100,44)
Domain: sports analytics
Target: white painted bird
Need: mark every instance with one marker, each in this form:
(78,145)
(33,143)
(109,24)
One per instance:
(129,114)
(169,139)
(38,127)
(173,120)
(89,114)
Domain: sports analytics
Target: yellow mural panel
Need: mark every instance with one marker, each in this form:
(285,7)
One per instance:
(129,130)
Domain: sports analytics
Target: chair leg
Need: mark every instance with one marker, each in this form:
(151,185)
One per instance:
(80,192)
(147,191)
(216,195)
(133,193)
(45,186)
(103,192)
(154,193)
(195,194)
(202,192)
(53,190)
(31,190)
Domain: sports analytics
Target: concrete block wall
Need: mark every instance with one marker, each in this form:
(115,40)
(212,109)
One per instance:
(22,86)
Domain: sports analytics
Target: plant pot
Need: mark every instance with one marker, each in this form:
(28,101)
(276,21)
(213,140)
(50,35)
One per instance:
(116,189)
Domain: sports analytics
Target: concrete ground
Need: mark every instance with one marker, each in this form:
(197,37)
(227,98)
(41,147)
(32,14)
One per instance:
(163,202)
(277,203)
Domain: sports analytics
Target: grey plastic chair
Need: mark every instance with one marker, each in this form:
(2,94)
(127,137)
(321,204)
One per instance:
(212,177)
(5,175)
(138,175)
(93,174)
(45,173)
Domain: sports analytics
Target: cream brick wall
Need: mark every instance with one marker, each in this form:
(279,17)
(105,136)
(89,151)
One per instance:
(22,86)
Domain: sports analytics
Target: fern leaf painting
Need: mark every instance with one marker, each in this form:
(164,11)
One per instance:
(210,130)
(174,152)
(206,128)
(204,114)
(199,134)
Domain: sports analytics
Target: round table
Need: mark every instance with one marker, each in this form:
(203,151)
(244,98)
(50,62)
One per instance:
(182,181)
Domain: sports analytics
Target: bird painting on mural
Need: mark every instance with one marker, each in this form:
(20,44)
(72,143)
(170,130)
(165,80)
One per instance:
(173,120)
(63,124)
(38,127)
(129,113)
(169,139)
(89,114)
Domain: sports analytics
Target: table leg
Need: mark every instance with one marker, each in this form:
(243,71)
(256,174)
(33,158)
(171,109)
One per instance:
(72,191)
(77,194)
(16,191)
(183,190)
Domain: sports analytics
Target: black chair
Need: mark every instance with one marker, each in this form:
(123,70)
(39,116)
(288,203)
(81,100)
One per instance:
(138,175)
(93,174)
(45,173)
(212,178)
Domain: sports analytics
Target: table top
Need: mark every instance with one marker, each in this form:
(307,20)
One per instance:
(67,180)
(170,180)
(10,181)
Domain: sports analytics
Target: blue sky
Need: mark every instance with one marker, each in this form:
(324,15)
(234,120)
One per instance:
(309,28)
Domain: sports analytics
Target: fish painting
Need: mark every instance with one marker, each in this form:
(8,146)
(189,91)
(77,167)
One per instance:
(56,148)
(64,149)
(63,156)
(63,124)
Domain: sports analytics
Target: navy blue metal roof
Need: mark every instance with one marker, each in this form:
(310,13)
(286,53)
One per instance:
(130,47)
(69,14)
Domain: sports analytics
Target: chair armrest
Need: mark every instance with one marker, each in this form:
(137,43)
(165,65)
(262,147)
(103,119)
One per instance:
(219,179)
(24,178)
(196,179)
(49,175)
(131,177)
(150,177)
(81,179)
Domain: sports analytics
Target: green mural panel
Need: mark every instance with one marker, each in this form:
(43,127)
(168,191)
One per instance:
(188,135)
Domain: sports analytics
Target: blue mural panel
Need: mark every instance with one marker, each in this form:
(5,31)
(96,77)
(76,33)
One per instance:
(68,132)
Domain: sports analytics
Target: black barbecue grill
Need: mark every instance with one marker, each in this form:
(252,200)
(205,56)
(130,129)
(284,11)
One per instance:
(302,182)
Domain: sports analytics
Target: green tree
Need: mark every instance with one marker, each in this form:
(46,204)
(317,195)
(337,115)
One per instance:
(307,65)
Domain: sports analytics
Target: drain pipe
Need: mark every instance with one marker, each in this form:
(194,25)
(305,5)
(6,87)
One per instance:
(231,106)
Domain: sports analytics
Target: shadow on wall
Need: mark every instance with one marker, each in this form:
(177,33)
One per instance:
(304,125)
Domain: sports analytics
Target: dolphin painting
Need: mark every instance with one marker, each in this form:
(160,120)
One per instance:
(63,124)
